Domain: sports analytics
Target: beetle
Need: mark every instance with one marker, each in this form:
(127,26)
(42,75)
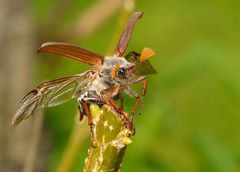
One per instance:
(109,77)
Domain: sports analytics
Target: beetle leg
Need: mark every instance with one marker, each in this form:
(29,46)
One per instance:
(137,80)
(133,94)
(111,103)
(80,108)
(87,110)
(106,94)
(135,105)
(85,100)
(144,88)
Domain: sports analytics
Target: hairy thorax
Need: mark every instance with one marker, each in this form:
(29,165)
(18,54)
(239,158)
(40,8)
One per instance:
(98,85)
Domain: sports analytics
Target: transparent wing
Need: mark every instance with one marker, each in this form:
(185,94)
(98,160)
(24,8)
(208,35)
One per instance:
(50,93)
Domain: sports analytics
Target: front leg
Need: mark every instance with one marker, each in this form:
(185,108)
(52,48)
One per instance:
(144,88)
(106,95)
(133,94)
(137,80)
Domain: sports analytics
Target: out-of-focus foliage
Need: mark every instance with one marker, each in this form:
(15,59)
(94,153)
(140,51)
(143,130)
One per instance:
(191,114)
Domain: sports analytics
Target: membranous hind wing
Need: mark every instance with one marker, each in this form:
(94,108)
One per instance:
(72,51)
(141,67)
(50,93)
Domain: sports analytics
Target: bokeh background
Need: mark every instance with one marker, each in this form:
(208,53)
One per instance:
(191,114)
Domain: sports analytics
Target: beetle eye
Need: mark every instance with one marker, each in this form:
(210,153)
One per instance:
(122,73)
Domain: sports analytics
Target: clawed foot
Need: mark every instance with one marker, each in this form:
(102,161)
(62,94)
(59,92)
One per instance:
(128,123)
(135,113)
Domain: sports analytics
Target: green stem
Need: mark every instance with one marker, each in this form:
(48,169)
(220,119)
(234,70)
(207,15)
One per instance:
(77,138)
(109,141)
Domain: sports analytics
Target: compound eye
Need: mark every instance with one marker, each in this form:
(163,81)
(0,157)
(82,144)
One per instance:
(122,73)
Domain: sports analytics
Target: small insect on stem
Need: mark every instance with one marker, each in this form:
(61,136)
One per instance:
(105,82)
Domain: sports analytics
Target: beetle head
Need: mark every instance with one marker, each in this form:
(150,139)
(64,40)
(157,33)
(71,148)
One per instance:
(117,69)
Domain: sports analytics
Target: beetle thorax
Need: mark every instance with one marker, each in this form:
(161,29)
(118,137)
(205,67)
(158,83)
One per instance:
(99,84)
(113,64)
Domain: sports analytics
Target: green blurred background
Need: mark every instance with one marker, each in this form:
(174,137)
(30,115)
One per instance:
(191,111)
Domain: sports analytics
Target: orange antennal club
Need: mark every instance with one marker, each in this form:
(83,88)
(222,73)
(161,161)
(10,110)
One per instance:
(146,53)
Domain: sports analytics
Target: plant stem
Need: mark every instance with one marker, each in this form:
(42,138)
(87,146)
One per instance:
(78,136)
(109,141)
